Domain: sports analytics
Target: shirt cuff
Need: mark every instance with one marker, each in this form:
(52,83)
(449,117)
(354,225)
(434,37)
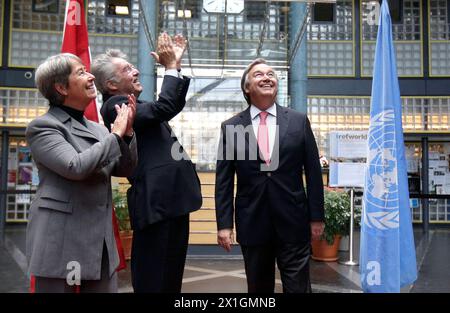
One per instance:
(174,73)
(128,139)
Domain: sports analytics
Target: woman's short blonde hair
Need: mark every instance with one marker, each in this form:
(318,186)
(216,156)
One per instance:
(54,70)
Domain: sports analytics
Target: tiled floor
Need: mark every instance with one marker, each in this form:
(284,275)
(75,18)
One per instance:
(209,269)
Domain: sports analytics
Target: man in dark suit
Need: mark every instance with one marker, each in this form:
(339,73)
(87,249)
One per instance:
(164,187)
(268,147)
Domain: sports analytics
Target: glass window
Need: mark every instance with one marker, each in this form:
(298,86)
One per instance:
(405,16)
(45,6)
(231,40)
(438,173)
(1,26)
(118,7)
(188,9)
(255,11)
(338,27)
(336,113)
(38,15)
(114,17)
(439,36)
(448,11)
(324,12)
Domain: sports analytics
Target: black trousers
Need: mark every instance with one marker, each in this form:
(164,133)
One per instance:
(292,261)
(158,256)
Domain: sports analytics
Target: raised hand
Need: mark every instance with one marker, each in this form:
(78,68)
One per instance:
(131,114)
(179,46)
(165,52)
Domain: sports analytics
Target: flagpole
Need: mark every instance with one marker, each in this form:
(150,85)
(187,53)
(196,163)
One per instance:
(350,261)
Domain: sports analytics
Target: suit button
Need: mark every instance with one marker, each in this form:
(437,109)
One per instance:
(269,174)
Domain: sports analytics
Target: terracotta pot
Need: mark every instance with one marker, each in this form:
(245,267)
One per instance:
(322,251)
(126,236)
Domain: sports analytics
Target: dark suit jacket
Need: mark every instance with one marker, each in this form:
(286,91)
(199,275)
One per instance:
(161,187)
(269,203)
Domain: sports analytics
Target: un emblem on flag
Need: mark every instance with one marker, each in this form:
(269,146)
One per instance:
(381,196)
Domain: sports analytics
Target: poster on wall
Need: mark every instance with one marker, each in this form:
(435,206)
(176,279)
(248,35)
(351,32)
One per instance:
(25,165)
(12,178)
(347,174)
(23,198)
(348,144)
(25,173)
(446,188)
(12,166)
(438,169)
(35,176)
(348,153)
(24,155)
(12,158)
(412,159)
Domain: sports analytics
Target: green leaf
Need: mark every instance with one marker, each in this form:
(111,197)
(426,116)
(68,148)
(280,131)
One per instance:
(121,208)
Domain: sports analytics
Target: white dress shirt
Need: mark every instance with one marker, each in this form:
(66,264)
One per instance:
(271,122)
(173,72)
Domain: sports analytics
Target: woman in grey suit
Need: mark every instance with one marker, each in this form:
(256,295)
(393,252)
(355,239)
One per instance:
(70,240)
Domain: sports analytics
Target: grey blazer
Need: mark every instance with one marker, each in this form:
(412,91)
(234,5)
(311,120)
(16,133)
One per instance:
(71,215)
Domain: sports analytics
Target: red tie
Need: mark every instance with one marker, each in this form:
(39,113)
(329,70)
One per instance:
(263,137)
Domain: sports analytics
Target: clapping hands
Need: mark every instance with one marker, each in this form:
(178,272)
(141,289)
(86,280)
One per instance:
(123,124)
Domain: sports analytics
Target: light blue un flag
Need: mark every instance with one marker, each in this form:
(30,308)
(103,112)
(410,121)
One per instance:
(387,255)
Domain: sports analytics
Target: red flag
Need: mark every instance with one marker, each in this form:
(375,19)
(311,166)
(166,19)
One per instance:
(76,41)
(122,263)
(32,284)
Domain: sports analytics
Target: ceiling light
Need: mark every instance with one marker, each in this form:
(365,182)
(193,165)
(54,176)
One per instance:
(122,10)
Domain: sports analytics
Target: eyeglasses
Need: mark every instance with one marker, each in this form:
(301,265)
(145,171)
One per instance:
(129,68)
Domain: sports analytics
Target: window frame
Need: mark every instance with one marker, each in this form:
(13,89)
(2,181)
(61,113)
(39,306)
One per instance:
(34,10)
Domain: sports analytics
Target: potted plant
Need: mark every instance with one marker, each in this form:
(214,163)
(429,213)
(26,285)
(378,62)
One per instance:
(337,224)
(123,219)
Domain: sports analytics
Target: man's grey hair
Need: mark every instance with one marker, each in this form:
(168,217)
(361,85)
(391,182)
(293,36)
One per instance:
(55,69)
(244,78)
(104,69)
